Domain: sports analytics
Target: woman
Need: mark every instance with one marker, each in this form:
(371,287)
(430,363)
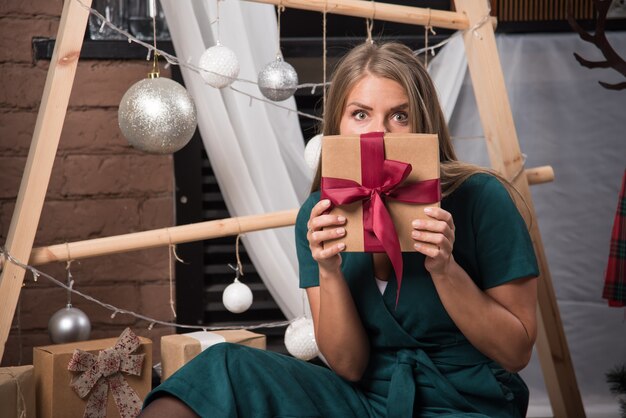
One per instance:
(464,323)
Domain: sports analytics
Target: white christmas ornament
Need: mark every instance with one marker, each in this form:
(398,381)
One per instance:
(300,339)
(237,297)
(278,80)
(157,115)
(312,153)
(221,66)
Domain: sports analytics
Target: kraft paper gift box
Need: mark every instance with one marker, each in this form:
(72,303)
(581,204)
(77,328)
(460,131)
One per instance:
(367,166)
(55,397)
(177,350)
(17,392)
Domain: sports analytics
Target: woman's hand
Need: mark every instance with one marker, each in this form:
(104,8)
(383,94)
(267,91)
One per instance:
(328,258)
(435,239)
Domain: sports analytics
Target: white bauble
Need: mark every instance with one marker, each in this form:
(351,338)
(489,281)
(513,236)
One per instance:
(237,297)
(221,66)
(157,115)
(313,152)
(278,80)
(300,339)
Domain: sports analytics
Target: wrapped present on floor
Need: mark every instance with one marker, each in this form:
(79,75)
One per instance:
(17,392)
(98,378)
(380,183)
(177,350)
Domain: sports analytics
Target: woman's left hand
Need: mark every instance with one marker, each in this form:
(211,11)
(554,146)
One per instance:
(434,237)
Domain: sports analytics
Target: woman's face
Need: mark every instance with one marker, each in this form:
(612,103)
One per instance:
(375,104)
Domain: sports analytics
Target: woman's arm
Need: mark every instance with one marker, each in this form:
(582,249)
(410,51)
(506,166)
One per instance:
(501,321)
(339,332)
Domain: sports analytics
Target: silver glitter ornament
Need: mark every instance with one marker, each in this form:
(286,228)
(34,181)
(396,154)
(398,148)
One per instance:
(300,339)
(157,115)
(69,325)
(278,80)
(221,66)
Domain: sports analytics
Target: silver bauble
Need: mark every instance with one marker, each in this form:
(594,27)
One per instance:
(300,339)
(278,80)
(237,297)
(221,66)
(69,325)
(157,115)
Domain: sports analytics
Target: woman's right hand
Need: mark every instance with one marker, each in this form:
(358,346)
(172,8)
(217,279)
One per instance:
(328,258)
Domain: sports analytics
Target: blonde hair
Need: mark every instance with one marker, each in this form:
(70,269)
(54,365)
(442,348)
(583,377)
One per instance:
(397,62)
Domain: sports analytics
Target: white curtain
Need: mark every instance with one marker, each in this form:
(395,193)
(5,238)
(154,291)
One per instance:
(565,119)
(255,149)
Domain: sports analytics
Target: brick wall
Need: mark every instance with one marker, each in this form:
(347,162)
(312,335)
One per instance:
(100,186)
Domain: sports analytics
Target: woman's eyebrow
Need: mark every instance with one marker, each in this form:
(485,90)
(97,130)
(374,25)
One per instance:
(400,107)
(357,104)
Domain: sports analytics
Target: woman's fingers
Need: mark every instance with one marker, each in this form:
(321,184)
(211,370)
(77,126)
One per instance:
(327,234)
(438,240)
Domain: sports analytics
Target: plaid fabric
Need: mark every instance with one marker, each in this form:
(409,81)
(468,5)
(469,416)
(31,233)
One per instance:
(615,280)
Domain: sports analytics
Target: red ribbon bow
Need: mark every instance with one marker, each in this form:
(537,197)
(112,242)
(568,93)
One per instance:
(104,371)
(382,180)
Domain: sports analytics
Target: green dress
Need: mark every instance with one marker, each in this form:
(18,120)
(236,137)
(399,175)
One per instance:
(420,363)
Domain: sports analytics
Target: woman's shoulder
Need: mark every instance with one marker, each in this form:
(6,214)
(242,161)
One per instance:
(481,185)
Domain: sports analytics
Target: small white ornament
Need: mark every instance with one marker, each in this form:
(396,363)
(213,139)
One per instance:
(300,339)
(313,152)
(69,325)
(221,66)
(237,297)
(278,80)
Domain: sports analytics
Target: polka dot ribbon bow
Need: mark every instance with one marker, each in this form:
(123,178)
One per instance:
(103,372)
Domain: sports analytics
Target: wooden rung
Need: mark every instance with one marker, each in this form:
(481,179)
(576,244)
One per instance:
(161,237)
(540,175)
(379,11)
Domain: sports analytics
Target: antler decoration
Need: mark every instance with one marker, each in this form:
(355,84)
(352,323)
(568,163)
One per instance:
(612,59)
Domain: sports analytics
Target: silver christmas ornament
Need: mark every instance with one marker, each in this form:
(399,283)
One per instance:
(157,115)
(221,66)
(278,80)
(69,325)
(300,339)
(237,297)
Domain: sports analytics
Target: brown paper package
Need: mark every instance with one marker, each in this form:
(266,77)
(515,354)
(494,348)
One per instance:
(177,350)
(341,158)
(17,392)
(55,397)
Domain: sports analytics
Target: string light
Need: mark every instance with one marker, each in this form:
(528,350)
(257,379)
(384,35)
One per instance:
(173,60)
(117,310)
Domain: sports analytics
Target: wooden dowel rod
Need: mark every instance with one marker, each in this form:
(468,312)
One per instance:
(161,237)
(540,175)
(379,11)
(192,232)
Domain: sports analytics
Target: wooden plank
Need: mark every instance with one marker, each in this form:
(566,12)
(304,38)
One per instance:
(162,237)
(41,156)
(504,152)
(380,11)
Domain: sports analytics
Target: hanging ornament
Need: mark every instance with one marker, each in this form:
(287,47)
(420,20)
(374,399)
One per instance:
(220,66)
(69,324)
(237,297)
(312,152)
(300,339)
(157,115)
(278,80)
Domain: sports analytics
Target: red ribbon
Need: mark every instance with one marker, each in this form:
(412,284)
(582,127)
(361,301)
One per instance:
(382,180)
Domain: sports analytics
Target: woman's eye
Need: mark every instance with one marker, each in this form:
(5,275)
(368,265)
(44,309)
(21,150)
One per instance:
(359,115)
(400,117)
